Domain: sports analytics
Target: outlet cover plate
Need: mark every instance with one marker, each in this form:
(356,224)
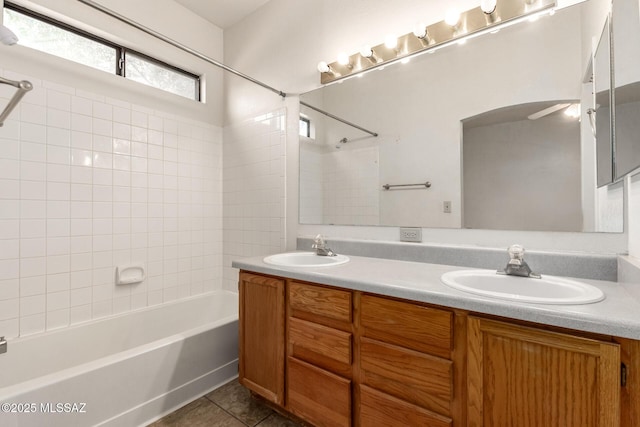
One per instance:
(411,234)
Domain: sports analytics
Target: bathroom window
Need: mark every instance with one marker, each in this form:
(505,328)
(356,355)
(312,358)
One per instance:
(305,127)
(152,72)
(42,33)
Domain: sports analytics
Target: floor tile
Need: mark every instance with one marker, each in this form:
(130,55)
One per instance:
(277,420)
(199,413)
(237,400)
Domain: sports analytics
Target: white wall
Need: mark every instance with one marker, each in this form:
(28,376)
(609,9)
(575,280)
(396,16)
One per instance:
(281,44)
(523,174)
(97,171)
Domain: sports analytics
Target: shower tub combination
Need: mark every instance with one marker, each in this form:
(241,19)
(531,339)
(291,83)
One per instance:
(125,370)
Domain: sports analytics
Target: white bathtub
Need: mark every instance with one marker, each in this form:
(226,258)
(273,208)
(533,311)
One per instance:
(126,370)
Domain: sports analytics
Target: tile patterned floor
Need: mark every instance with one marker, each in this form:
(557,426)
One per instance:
(228,406)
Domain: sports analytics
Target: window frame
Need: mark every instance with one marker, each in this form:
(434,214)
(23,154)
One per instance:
(308,122)
(121,51)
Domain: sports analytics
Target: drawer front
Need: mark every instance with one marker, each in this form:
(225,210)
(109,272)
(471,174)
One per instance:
(419,378)
(424,329)
(317,396)
(321,345)
(380,410)
(333,304)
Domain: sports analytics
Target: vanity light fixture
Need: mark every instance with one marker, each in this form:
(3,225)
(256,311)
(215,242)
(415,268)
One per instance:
(422,33)
(489,9)
(324,68)
(391,42)
(488,6)
(343,59)
(488,17)
(452,18)
(368,53)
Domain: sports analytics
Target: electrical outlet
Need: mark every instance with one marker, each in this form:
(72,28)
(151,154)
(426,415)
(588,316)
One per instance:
(446,206)
(411,234)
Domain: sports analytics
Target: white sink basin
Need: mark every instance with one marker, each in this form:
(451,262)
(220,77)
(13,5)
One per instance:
(547,290)
(305,259)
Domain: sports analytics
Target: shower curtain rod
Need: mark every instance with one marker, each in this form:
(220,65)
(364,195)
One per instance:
(326,113)
(178,45)
(23,87)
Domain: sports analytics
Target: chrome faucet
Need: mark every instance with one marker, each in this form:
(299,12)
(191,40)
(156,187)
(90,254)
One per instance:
(517,265)
(321,247)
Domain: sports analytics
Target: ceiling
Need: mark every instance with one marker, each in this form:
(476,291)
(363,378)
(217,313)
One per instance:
(223,13)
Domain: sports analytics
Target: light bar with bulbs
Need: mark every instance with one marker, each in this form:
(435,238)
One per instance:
(490,15)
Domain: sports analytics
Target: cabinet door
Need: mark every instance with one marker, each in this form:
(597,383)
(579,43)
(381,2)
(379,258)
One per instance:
(262,343)
(520,376)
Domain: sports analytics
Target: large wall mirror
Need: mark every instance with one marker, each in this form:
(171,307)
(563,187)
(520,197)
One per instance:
(497,127)
(626,37)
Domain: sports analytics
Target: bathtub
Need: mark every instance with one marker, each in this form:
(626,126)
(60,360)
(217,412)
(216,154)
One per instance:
(126,370)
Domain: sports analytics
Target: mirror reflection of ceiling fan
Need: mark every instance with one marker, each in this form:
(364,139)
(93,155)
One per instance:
(571,110)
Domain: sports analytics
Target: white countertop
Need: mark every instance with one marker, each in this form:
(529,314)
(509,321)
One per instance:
(618,314)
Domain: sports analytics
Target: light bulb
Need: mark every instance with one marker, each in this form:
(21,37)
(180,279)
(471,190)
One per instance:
(366,51)
(323,67)
(452,17)
(488,6)
(343,59)
(420,30)
(7,36)
(391,42)
(573,111)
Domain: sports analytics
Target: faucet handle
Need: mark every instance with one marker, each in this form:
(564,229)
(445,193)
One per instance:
(516,254)
(318,242)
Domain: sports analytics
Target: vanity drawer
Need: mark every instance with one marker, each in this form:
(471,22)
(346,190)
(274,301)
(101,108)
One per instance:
(413,326)
(415,377)
(379,409)
(319,304)
(318,396)
(321,345)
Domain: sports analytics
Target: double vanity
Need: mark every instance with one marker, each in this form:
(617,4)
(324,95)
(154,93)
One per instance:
(350,340)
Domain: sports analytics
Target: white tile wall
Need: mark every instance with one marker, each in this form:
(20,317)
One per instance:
(254,190)
(351,186)
(311,164)
(88,182)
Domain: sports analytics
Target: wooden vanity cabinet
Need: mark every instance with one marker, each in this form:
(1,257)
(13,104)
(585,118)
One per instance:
(523,376)
(335,357)
(262,330)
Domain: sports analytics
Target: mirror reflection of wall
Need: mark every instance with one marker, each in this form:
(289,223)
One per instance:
(417,109)
(602,88)
(521,168)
